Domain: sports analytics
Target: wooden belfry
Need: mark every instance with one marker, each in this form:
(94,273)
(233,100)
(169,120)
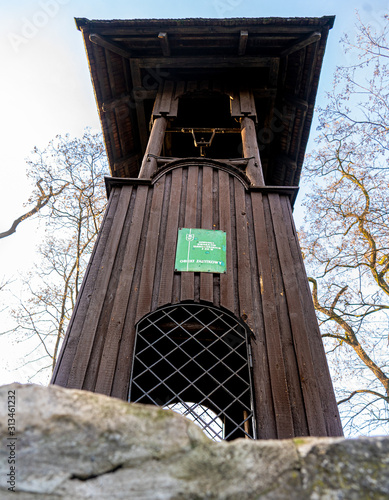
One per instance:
(206,123)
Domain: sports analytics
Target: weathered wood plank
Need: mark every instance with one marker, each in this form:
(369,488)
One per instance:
(102,326)
(123,146)
(264,407)
(289,356)
(167,274)
(154,146)
(157,103)
(121,381)
(176,295)
(322,373)
(161,239)
(187,279)
(250,150)
(244,35)
(243,255)
(167,96)
(311,393)
(84,347)
(257,30)
(273,73)
(116,48)
(227,279)
(140,109)
(216,226)
(179,90)
(123,368)
(235,105)
(206,279)
(104,320)
(303,42)
(148,269)
(164,40)
(279,386)
(119,309)
(69,346)
(247,106)
(206,62)
(104,93)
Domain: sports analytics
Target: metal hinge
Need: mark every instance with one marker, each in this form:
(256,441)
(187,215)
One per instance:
(250,356)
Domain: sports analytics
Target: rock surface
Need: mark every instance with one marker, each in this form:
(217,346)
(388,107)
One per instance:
(77,445)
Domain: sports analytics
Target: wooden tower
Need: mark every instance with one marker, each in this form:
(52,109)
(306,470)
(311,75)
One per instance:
(196,296)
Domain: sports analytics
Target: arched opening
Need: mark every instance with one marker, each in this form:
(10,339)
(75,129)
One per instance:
(197,354)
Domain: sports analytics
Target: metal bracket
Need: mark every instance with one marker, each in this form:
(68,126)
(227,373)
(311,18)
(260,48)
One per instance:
(202,143)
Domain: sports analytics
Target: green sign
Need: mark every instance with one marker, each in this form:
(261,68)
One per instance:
(201,250)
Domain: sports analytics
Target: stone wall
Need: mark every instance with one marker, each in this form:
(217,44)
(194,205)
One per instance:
(77,445)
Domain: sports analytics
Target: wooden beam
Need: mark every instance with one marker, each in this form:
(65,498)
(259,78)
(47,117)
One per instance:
(273,73)
(136,95)
(238,162)
(290,191)
(250,150)
(247,104)
(244,35)
(205,62)
(112,182)
(312,53)
(140,109)
(255,29)
(121,145)
(167,96)
(154,147)
(303,42)
(112,46)
(103,93)
(141,95)
(164,44)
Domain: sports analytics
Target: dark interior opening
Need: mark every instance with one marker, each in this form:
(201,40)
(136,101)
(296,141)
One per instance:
(210,110)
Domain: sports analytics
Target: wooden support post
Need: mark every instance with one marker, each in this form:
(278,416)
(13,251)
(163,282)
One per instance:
(116,48)
(250,150)
(243,43)
(312,38)
(163,38)
(154,147)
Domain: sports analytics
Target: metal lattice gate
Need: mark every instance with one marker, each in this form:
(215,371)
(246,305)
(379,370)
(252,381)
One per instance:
(196,360)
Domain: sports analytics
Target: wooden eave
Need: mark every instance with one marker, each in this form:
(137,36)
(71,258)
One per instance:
(279,58)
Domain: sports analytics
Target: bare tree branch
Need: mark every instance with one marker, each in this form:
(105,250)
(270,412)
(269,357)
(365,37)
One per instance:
(73,172)
(346,239)
(41,201)
(363,391)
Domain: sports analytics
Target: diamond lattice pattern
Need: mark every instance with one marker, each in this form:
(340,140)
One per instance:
(198,354)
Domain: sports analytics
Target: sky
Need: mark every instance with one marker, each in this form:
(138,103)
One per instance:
(46,90)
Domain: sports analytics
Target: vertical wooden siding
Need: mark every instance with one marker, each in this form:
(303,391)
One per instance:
(132,273)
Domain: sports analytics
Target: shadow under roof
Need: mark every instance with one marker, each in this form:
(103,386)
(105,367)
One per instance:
(279,58)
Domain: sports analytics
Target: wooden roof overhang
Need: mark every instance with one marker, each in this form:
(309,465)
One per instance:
(280,59)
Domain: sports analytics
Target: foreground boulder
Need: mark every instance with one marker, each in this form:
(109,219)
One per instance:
(77,445)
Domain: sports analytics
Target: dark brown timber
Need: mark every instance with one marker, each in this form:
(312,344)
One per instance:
(201,77)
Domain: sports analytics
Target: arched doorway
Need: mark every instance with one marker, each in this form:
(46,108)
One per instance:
(195,359)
